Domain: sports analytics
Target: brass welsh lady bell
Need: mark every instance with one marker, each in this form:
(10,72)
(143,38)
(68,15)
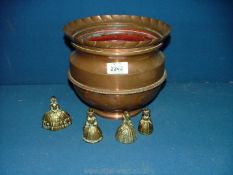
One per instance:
(55,119)
(91,131)
(126,132)
(145,126)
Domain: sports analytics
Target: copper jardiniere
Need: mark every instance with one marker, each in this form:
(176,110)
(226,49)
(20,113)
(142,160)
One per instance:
(117,65)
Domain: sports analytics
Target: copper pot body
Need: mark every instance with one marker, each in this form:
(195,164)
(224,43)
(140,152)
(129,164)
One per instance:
(97,45)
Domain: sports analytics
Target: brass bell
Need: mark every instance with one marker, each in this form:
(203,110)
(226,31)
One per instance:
(126,132)
(91,131)
(145,126)
(55,119)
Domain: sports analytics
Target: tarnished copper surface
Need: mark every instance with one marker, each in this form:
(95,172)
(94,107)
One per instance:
(115,114)
(101,40)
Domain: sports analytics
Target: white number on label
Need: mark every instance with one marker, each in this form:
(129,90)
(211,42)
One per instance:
(117,68)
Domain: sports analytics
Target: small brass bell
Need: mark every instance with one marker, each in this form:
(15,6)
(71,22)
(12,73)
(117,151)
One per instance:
(91,131)
(145,126)
(55,119)
(126,132)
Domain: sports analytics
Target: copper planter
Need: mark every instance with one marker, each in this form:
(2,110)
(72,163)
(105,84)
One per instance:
(117,65)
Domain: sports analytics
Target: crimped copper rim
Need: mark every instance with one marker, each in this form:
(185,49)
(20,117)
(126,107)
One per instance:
(75,30)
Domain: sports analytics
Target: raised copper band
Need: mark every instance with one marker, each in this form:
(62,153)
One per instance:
(120,92)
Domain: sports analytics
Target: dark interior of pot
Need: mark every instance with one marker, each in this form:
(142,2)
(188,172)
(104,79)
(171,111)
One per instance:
(117,34)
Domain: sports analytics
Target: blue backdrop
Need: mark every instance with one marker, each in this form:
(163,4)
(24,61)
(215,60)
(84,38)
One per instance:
(32,48)
(193,122)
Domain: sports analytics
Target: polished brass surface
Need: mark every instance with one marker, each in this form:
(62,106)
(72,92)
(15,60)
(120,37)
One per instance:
(145,126)
(55,119)
(91,131)
(112,94)
(125,132)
